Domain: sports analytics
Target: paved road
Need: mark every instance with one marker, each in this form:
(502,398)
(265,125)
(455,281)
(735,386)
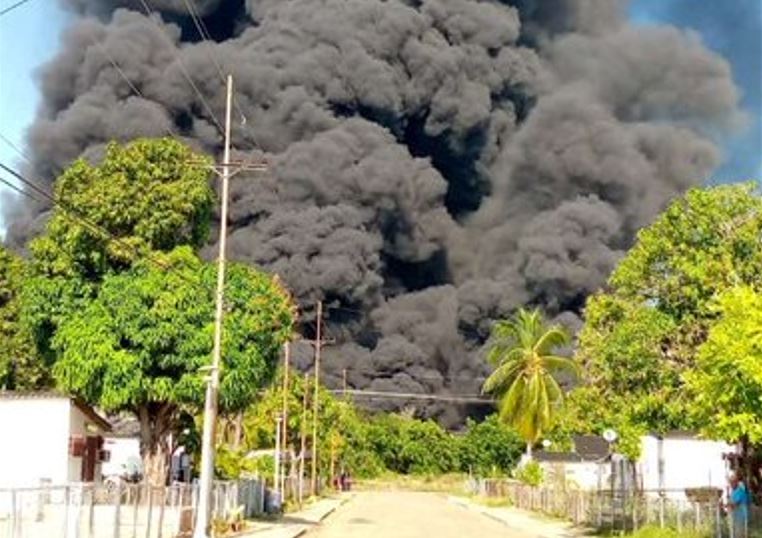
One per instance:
(394,514)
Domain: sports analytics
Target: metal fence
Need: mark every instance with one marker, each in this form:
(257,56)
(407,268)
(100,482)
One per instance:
(622,511)
(126,511)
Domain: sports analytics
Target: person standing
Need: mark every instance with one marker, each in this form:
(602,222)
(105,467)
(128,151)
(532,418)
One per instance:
(738,505)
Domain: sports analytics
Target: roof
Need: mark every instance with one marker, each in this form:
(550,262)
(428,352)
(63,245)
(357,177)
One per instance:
(88,411)
(558,457)
(125,426)
(587,448)
(591,447)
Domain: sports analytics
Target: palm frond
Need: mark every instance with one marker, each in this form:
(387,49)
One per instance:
(555,363)
(502,378)
(553,338)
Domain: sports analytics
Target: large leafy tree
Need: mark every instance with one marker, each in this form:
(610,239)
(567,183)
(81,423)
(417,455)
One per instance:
(726,384)
(20,367)
(126,317)
(643,332)
(523,351)
(140,344)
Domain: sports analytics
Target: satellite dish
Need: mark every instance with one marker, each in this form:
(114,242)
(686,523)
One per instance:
(610,436)
(546,444)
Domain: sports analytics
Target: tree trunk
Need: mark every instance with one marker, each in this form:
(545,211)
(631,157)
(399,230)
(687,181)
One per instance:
(529,452)
(156,423)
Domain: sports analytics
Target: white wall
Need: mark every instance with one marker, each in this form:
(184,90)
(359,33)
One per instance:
(35,441)
(122,449)
(688,463)
(585,475)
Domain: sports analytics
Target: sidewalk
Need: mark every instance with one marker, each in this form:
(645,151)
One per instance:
(297,523)
(524,522)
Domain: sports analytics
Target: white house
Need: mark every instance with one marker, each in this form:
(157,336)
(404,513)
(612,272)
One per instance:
(49,438)
(668,464)
(676,461)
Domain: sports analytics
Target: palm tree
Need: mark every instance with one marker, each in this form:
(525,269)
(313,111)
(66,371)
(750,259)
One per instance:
(523,381)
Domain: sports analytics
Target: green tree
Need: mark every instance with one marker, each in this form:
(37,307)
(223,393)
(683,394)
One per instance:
(128,322)
(522,351)
(643,332)
(138,346)
(726,384)
(489,447)
(20,367)
(151,195)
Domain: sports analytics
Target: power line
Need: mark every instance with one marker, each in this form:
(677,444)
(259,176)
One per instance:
(77,216)
(203,31)
(414,396)
(132,86)
(184,71)
(12,7)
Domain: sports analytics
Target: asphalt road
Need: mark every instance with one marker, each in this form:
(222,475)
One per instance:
(392,514)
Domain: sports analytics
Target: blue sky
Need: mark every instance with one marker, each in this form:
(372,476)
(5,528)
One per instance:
(29,36)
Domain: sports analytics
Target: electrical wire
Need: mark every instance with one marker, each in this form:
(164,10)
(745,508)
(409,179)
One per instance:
(414,396)
(132,86)
(183,69)
(78,217)
(206,37)
(12,7)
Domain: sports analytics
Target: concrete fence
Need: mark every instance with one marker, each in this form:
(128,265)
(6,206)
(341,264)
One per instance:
(623,511)
(124,511)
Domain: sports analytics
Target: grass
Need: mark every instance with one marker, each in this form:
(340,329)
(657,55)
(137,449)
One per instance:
(449,483)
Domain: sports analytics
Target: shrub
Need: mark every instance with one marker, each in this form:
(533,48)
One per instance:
(531,473)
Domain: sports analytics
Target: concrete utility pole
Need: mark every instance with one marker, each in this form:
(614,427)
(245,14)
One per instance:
(202,525)
(276,477)
(284,445)
(315,403)
(303,434)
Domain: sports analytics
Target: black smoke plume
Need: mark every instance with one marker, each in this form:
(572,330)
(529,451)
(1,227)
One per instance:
(436,163)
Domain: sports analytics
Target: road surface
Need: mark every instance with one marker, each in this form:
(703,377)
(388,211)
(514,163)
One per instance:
(400,514)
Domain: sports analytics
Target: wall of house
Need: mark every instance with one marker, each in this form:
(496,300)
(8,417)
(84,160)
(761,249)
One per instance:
(586,475)
(121,449)
(688,463)
(35,441)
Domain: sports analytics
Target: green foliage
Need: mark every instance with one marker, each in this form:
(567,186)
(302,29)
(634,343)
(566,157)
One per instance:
(531,473)
(128,323)
(642,334)
(144,337)
(727,383)
(489,447)
(522,351)
(151,194)
(20,366)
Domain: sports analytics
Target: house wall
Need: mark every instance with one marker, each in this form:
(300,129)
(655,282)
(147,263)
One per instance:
(688,463)
(35,441)
(585,475)
(122,449)
(78,425)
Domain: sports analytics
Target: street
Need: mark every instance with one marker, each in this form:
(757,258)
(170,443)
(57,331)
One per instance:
(404,514)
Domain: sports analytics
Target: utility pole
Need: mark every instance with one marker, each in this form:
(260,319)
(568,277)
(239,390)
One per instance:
(315,403)
(284,445)
(303,433)
(201,528)
(276,477)
(344,383)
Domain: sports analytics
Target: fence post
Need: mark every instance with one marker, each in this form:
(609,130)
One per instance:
(117,509)
(165,493)
(661,509)
(91,514)
(150,510)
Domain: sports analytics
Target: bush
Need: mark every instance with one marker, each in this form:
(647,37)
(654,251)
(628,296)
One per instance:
(489,448)
(531,473)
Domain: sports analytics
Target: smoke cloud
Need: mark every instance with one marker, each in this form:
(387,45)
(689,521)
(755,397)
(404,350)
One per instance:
(436,163)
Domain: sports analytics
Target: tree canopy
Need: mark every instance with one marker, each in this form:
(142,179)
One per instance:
(126,317)
(20,367)
(726,384)
(642,333)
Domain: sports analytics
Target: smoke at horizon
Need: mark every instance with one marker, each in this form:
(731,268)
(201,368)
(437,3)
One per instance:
(436,163)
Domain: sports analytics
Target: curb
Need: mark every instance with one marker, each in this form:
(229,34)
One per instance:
(483,511)
(304,529)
